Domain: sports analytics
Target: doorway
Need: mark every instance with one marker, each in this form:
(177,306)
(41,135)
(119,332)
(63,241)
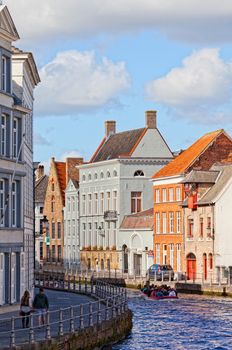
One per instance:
(191,267)
(137,264)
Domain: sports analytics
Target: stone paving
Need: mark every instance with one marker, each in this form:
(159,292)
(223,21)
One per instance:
(57,300)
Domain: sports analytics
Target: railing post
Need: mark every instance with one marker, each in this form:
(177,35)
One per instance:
(12,337)
(114,308)
(85,285)
(48,327)
(99,313)
(79,283)
(74,283)
(72,330)
(90,314)
(61,328)
(31,331)
(92,285)
(107,310)
(68,282)
(81,317)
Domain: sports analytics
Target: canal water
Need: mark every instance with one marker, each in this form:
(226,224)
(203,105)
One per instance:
(190,322)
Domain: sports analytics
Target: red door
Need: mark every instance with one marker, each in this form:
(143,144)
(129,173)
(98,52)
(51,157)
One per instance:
(191,267)
(205,266)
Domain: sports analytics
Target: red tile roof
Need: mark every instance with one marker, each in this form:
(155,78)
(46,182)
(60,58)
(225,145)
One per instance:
(142,220)
(181,163)
(61,174)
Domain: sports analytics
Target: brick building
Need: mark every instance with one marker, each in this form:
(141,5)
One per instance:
(169,192)
(59,176)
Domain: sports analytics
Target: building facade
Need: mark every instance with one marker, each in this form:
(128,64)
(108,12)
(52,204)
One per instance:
(71,226)
(169,192)
(135,236)
(18,79)
(116,182)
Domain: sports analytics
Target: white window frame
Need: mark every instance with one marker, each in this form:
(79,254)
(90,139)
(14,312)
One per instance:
(89,203)
(157,195)
(115,200)
(172,254)
(164,195)
(2,203)
(108,200)
(164,222)
(3,135)
(157,253)
(102,204)
(171,222)
(95,203)
(4,73)
(178,194)
(171,194)
(178,257)
(178,221)
(83,204)
(15,138)
(157,222)
(14,203)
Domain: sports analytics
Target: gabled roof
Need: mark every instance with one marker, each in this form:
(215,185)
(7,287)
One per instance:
(118,145)
(7,26)
(200,176)
(224,177)
(141,220)
(61,175)
(180,164)
(40,189)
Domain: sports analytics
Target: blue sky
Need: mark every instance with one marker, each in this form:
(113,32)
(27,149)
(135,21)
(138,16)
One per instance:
(105,59)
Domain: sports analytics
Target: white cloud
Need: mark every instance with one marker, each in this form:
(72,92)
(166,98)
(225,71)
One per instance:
(198,90)
(40,140)
(71,154)
(74,81)
(192,20)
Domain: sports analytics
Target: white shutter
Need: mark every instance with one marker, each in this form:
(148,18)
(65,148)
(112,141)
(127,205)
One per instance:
(2,282)
(13,278)
(22,277)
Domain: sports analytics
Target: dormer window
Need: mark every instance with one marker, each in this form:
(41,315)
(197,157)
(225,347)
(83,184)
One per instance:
(139,173)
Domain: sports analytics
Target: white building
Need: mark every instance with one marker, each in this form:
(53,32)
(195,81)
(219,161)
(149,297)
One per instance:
(135,236)
(71,226)
(19,76)
(116,182)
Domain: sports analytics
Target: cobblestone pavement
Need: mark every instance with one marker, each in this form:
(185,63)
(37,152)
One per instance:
(57,300)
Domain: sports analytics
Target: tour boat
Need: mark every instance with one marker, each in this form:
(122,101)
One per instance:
(160,297)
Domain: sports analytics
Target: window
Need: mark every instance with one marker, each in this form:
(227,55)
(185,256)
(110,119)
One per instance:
(114,233)
(53,186)
(108,174)
(47,252)
(115,173)
(95,176)
(178,258)
(41,250)
(171,222)
(190,228)
(164,195)
(83,178)
(73,203)
(201,228)
(108,201)
(178,221)
(53,204)
(136,202)
(83,204)
(115,195)
(171,194)
(178,194)
(69,204)
(139,173)
(3,135)
(15,138)
(2,202)
(53,231)
(41,210)
(69,227)
(90,234)
(41,226)
(95,235)
(102,203)
(53,253)
(157,222)
(14,205)
(157,195)
(59,253)
(165,254)
(172,254)
(211,261)
(102,175)
(89,177)
(89,203)
(157,250)
(209,227)
(4,73)
(84,235)
(95,203)
(164,222)
(73,227)
(59,230)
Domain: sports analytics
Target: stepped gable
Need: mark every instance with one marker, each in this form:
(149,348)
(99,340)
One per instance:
(41,188)
(141,220)
(117,145)
(191,157)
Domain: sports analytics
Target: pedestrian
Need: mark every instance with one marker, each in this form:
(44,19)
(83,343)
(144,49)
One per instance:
(25,309)
(41,305)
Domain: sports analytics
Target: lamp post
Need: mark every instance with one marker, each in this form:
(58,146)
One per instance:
(45,225)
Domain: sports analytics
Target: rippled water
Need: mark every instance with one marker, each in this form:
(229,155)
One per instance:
(190,322)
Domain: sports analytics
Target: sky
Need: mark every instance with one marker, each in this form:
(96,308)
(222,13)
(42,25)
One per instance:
(104,60)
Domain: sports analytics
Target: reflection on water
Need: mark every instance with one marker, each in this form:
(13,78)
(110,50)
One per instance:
(191,322)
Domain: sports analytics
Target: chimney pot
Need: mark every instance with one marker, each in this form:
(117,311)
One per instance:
(151,119)
(110,127)
(39,172)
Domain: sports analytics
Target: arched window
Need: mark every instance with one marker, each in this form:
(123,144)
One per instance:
(95,176)
(53,186)
(139,173)
(115,173)
(83,178)
(108,174)
(211,261)
(102,175)
(89,177)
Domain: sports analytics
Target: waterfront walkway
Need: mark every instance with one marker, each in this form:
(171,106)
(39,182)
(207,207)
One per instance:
(57,300)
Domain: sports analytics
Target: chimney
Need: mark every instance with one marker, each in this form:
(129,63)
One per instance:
(151,119)
(110,127)
(39,172)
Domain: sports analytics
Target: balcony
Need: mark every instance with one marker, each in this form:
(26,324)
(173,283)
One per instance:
(110,215)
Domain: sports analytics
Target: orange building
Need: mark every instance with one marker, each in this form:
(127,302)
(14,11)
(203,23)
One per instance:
(169,192)
(60,174)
